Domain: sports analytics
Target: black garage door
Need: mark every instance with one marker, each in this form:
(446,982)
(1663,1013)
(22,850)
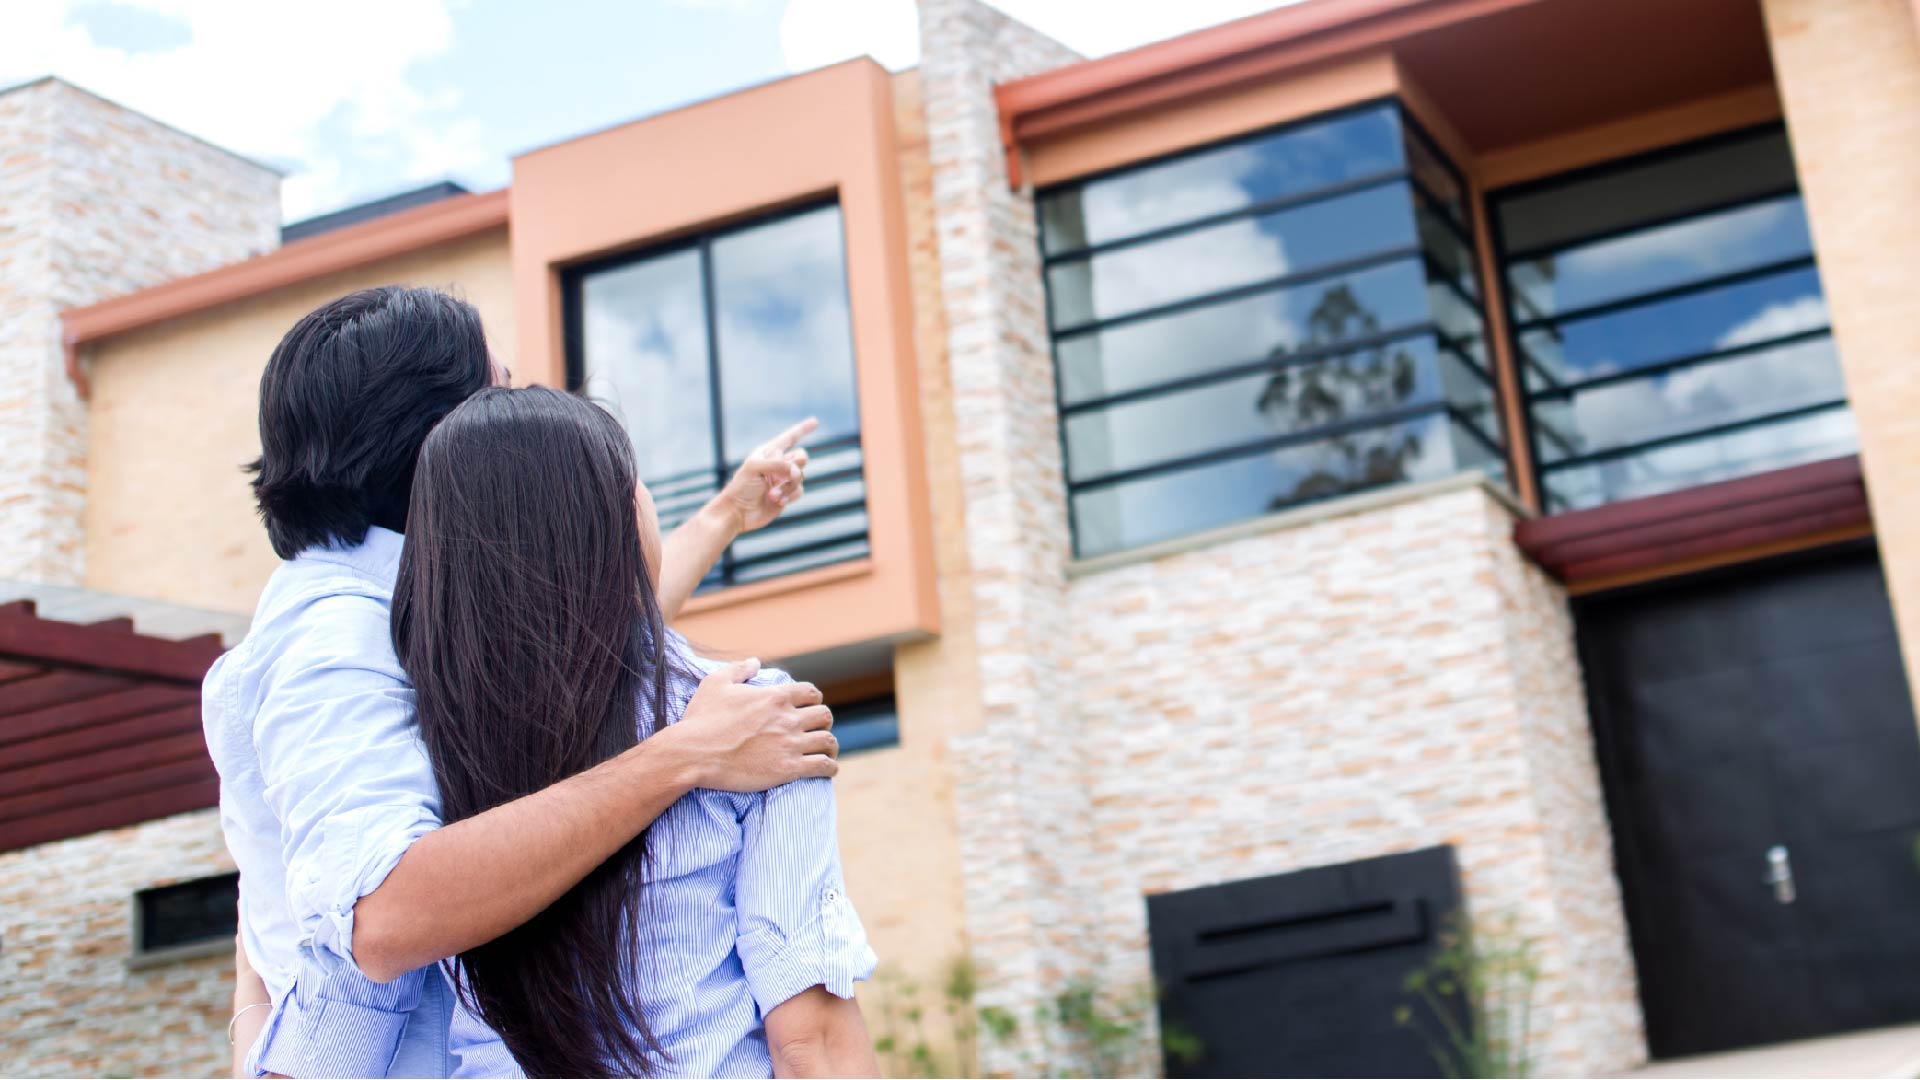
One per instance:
(1763,774)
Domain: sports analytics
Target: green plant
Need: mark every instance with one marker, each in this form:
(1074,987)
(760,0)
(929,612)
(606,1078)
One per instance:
(1478,988)
(1104,1034)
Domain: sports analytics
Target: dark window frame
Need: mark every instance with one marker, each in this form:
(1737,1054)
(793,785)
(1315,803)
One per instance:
(726,572)
(1504,258)
(143,954)
(1472,214)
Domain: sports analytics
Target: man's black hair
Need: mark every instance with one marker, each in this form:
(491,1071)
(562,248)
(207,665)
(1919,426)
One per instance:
(347,398)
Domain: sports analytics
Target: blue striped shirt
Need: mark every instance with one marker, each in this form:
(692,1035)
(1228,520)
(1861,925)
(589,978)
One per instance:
(744,907)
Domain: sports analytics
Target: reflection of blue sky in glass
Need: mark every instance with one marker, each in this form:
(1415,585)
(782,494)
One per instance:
(1664,330)
(1225,414)
(1750,314)
(1172,504)
(645,347)
(1137,354)
(786,346)
(1642,262)
(1233,253)
(1289,162)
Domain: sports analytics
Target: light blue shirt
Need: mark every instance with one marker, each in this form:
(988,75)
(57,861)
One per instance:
(324,784)
(744,907)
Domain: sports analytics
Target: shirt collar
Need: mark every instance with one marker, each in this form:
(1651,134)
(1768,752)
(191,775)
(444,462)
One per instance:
(377,556)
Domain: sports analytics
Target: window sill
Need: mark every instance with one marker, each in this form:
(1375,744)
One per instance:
(1278,521)
(760,590)
(177,953)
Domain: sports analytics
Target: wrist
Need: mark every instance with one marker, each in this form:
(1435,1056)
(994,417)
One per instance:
(669,760)
(723,517)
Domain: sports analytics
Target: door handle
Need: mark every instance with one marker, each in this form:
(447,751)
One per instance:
(1780,874)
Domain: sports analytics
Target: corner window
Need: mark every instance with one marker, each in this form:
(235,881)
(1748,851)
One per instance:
(188,919)
(1669,323)
(711,346)
(867,725)
(1263,323)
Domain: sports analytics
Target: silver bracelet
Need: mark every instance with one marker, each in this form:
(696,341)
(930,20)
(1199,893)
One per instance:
(241,1013)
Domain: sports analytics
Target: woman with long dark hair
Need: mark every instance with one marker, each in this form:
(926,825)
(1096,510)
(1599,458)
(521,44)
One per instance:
(720,942)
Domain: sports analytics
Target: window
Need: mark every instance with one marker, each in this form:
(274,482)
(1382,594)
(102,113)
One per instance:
(866,725)
(186,919)
(710,347)
(1262,323)
(1668,319)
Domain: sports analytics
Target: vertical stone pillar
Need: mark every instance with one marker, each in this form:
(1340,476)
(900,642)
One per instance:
(1021,787)
(95,201)
(1849,78)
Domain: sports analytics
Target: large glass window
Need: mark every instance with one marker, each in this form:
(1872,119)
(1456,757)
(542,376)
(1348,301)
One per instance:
(1265,322)
(711,347)
(1668,319)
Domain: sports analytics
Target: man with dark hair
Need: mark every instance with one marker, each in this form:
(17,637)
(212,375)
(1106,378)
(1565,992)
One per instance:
(351,890)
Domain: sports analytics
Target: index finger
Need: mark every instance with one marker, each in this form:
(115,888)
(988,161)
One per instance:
(785,441)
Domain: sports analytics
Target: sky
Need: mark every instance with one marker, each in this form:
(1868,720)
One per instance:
(355,99)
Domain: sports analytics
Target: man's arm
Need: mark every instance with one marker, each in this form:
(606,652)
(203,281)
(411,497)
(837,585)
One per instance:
(467,883)
(772,479)
(815,1033)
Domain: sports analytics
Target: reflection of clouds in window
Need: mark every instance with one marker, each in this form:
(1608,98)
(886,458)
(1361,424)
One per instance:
(1753,450)
(1642,262)
(1751,384)
(646,358)
(1145,511)
(786,349)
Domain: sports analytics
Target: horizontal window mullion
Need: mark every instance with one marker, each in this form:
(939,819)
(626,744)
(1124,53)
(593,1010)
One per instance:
(837,476)
(809,548)
(1251,367)
(1257,446)
(1614,453)
(1666,367)
(1259,209)
(1439,272)
(1672,292)
(789,522)
(1242,292)
(1607,235)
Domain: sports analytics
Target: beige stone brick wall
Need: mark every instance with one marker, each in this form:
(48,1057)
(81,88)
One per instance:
(1318,694)
(1022,808)
(1849,78)
(95,201)
(178,523)
(69,1003)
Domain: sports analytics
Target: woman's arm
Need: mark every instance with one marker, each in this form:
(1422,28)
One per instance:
(815,1033)
(251,1003)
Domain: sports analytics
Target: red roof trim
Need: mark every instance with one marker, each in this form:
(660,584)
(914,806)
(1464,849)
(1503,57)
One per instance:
(1259,46)
(1642,535)
(303,260)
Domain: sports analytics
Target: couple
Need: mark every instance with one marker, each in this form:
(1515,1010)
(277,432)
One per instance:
(492,816)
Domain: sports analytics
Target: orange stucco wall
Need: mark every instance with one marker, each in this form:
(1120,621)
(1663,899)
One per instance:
(832,132)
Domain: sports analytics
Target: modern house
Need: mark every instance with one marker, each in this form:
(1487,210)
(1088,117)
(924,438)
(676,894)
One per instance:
(1284,491)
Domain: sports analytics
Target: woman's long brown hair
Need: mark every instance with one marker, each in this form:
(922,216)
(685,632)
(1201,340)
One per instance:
(526,618)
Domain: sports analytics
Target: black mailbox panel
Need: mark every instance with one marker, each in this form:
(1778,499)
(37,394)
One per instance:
(1300,974)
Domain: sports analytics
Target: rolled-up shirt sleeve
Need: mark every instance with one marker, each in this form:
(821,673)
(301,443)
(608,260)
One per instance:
(797,928)
(344,770)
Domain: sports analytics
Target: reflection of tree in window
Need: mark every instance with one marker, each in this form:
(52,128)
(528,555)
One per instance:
(1356,383)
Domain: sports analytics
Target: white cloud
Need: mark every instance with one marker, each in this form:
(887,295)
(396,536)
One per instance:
(815,33)
(272,81)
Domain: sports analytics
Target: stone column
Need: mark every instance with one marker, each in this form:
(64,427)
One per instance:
(1021,787)
(95,201)
(1849,78)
